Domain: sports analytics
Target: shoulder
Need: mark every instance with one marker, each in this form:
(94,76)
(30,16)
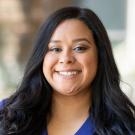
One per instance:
(2,103)
(2,122)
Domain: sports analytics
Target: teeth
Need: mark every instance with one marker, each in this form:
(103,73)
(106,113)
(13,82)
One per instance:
(68,73)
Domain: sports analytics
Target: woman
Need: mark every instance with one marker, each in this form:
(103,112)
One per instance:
(71,84)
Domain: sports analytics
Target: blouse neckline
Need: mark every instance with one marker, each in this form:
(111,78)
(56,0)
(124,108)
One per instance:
(87,128)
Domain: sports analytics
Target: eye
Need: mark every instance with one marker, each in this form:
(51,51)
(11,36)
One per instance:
(80,49)
(55,49)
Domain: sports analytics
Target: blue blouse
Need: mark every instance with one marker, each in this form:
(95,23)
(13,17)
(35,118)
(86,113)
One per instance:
(87,127)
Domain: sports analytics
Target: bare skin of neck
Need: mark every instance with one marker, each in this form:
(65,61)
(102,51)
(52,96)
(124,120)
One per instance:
(68,113)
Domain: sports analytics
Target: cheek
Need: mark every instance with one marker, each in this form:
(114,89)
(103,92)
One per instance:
(89,60)
(48,63)
(90,69)
(90,63)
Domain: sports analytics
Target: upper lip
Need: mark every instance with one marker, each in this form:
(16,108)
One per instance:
(68,70)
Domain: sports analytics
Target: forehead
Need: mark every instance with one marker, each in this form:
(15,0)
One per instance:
(72,28)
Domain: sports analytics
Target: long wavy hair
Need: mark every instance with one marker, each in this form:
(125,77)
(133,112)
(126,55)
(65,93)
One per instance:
(26,111)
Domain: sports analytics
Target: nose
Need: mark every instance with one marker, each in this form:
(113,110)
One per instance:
(66,58)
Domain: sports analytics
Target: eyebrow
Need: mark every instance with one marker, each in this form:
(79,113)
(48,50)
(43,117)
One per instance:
(75,40)
(81,39)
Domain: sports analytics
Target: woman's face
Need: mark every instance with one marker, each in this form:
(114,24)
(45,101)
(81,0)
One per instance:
(70,64)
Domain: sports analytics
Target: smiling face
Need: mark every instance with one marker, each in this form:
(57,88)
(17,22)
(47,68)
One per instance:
(70,64)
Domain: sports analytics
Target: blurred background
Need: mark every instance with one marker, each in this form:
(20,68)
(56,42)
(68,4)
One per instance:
(21,19)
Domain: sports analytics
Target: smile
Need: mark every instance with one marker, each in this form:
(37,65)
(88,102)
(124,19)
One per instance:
(68,73)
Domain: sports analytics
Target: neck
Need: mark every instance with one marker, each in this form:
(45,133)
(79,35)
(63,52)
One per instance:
(70,108)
